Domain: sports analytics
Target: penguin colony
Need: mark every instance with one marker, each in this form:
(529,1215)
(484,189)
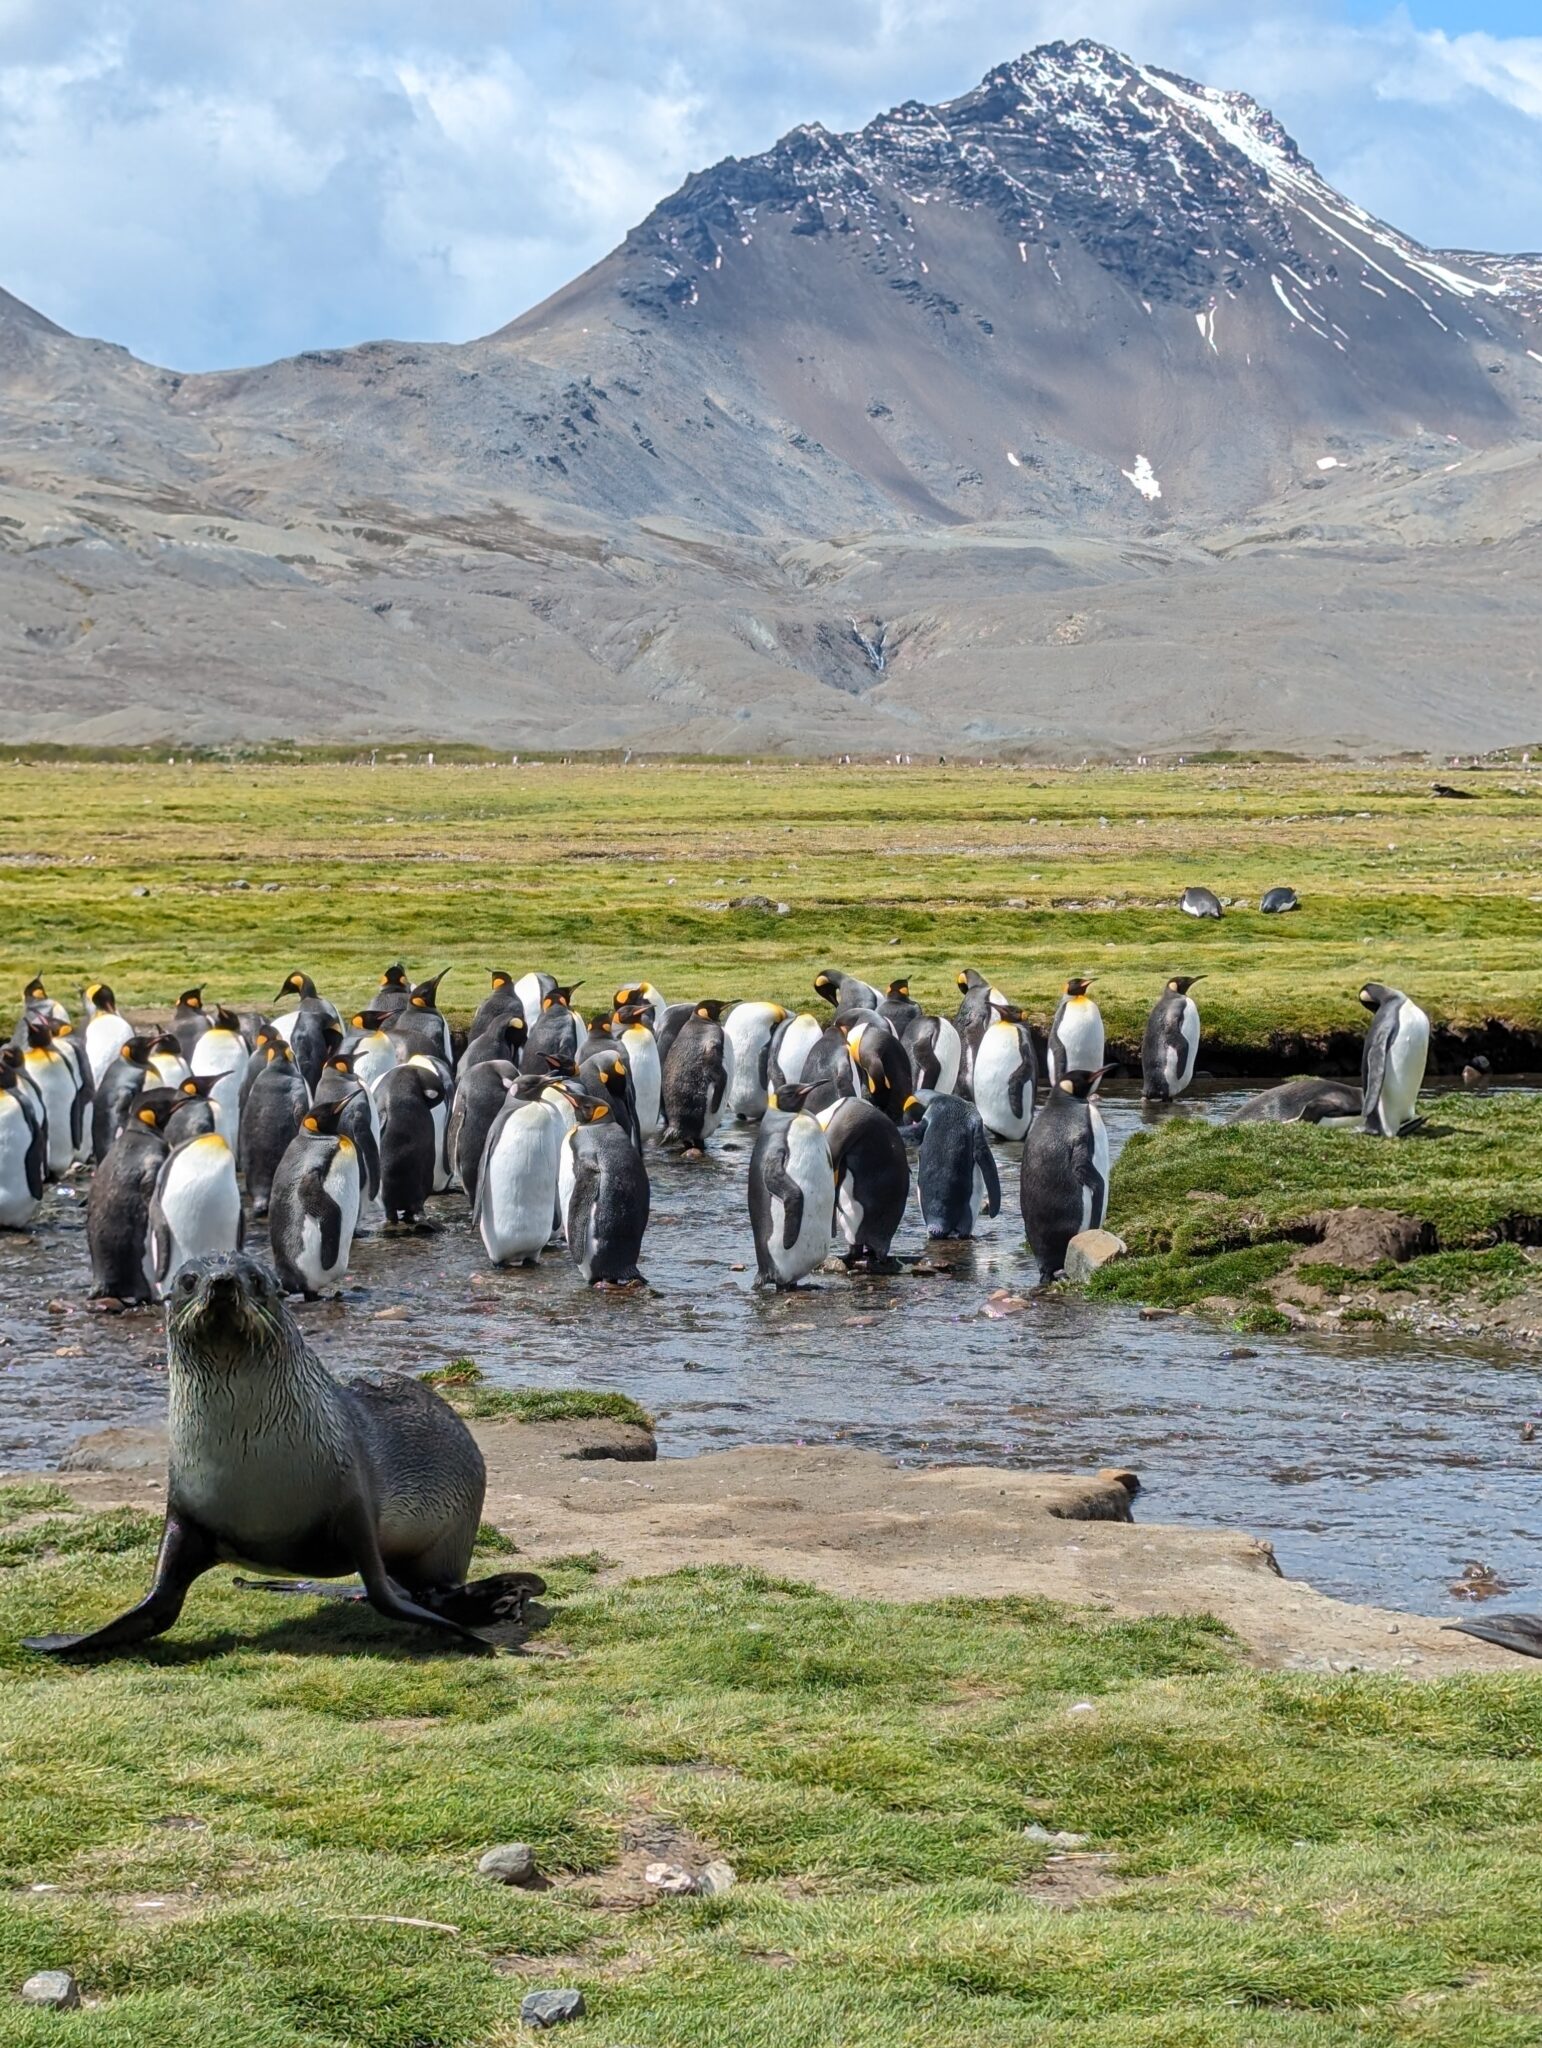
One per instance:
(228,1127)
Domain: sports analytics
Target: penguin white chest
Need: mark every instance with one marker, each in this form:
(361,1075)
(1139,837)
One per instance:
(106,1037)
(642,1058)
(18,1204)
(1095,1198)
(518,1186)
(199,1202)
(54,1079)
(1407,1057)
(809,1168)
(1081,1035)
(996,1061)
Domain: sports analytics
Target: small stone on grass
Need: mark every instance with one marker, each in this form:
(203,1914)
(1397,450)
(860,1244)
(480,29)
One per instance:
(509,1863)
(551,2008)
(54,1990)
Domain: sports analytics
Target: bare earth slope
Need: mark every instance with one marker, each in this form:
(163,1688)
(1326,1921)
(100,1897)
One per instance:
(1076,412)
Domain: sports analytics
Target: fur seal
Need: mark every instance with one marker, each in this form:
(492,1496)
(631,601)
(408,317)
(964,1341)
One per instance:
(282,1466)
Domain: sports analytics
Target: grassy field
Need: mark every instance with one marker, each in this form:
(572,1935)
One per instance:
(228,1836)
(608,872)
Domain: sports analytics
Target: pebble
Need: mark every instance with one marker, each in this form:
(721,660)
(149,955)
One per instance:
(509,1863)
(1035,1832)
(54,1990)
(140,891)
(717,1878)
(551,2008)
(1082,1707)
(670,1878)
(271,888)
(389,1315)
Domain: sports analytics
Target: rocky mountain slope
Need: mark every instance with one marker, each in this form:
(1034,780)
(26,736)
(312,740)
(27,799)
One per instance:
(1075,412)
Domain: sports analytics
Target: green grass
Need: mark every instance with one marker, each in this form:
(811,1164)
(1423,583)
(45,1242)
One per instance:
(607,872)
(462,1384)
(1297,1862)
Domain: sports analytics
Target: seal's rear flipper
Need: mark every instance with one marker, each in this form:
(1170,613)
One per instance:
(1521,1633)
(485,1603)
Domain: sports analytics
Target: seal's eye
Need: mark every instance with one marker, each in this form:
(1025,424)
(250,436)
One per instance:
(187,1281)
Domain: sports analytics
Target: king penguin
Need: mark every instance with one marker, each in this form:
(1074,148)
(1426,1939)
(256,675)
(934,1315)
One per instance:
(501,1001)
(697,1078)
(608,1200)
(1076,1036)
(115,1094)
(274,1111)
(635,1041)
(956,1177)
(196,1208)
(750,1028)
(1171,1044)
(517,1185)
(791,1192)
(1397,1048)
(118,1202)
(314,1209)
(1006,1074)
(872,1181)
(407,1098)
(107,1033)
(23,1149)
(1064,1182)
(221,1055)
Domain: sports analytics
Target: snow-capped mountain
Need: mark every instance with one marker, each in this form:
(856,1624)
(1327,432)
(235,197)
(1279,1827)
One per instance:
(1046,414)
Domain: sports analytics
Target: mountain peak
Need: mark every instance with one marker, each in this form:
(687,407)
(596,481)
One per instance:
(15,313)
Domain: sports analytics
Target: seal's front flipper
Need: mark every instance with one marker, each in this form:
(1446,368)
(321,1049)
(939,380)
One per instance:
(1521,1633)
(311,1589)
(186,1553)
(486,1603)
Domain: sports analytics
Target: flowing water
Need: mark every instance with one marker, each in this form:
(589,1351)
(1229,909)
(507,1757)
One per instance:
(1377,1464)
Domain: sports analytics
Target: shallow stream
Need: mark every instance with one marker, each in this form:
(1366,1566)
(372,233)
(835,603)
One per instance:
(1377,1463)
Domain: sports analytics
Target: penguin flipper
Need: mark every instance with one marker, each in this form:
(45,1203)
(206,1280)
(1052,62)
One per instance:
(780,1183)
(36,1162)
(985,1159)
(1378,1047)
(580,1216)
(1521,1633)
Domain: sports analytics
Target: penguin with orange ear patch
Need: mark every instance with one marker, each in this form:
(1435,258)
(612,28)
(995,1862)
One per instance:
(607,1209)
(314,1207)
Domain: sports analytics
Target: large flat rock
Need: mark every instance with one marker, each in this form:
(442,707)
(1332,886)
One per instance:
(853,1523)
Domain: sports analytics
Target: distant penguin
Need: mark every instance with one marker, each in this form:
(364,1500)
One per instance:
(553,1030)
(503,1039)
(501,1002)
(1397,1048)
(300,994)
(1303,1101)
(479,1097)
(23,1149)
(196,1208)
(359,1120)
(221,1055)
(264,1039)
(791,1043)
(936,1051)
(118,1202)
(394,992)
(1170,1046)
(956,1176)
(517,1185)
(115,1093)
(872,1180)
(1076,1034)
(36,1000)
(275,1109)
(532,990)
(750,1028)
(188,1022)
(1006,1074)
(1064,1178)
(419,1025)
(1196,902)
(194,1115)
(1276,901)
(107,1033)
(976,1012)
(407,1098)
(638,1045)
(898,1010)
(642,994)
(791,1192)
(370,1044)
(58,1087)
(845,991)
(314,1032)
(314,1209)
(697,1078)
(607,1206)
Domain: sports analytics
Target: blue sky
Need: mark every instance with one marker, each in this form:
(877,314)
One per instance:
(216,184)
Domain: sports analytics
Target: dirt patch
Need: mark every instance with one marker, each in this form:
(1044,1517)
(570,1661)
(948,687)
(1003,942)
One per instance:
(647,1840)
(1358,1239)
(1081,1877)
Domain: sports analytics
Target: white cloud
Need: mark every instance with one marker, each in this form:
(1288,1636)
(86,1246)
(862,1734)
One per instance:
(214,185)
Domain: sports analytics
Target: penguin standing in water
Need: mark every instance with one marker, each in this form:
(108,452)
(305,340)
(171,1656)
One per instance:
(1006,1073)
(107,1033)
(517,1184)
(956,1176)
(1076,1036)
(274,1111)
(221,1055)
(872,1181)
(976,1012)
(553,1031)
(1171,1044)
(194,1115)
(478,1101)
(196,1208)
(407,1098)
(1397,1048)
(877,1068)
(58,1088)
(935,1050)
(23,1149)
(188,1023)
(1065,1171)
(791,1192)
(791,1043)
(644,1055)
(114,1099)
(697,1079)
(314,1210)
(358,1121)
(444,1171)
(118,1203)
(607,1205)
(74,1050)
(750,1028)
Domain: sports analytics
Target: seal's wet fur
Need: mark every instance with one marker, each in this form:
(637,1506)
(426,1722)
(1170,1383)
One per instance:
(281,1466)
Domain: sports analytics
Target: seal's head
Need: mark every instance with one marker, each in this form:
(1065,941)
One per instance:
(225,1311)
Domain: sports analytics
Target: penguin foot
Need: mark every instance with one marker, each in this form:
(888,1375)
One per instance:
(1521,1633)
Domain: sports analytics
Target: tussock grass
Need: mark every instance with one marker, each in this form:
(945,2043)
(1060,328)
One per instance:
(607,872)
(1300,1862)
